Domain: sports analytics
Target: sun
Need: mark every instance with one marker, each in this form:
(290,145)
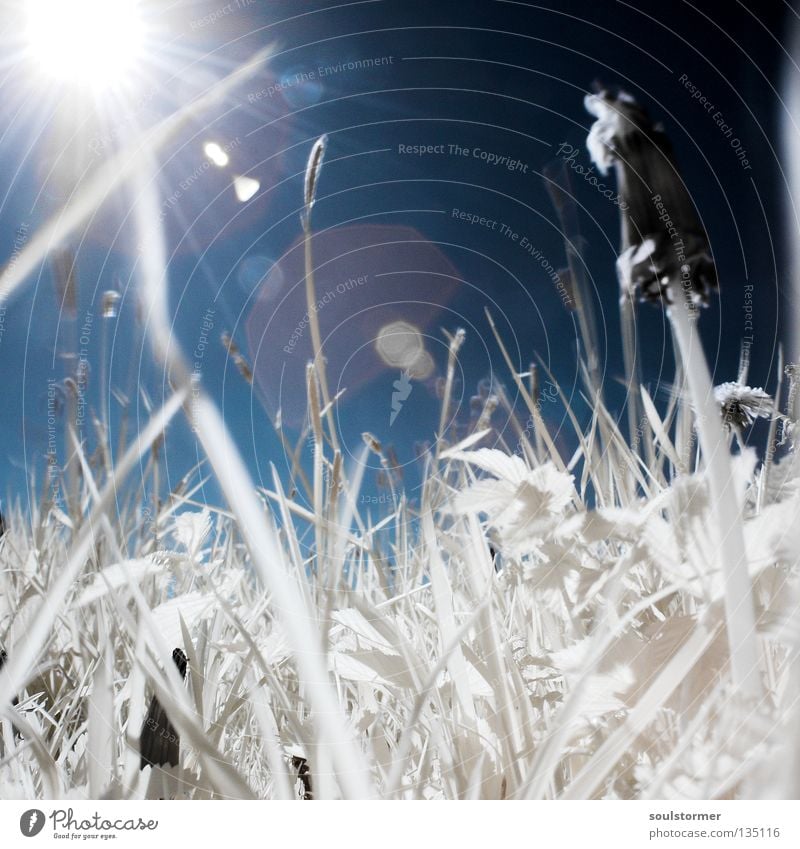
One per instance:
(90,42)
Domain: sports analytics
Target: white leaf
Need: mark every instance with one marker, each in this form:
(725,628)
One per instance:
(191,606)
(373,667)
(191,528)
(504,466)
(113,577)
(355,621)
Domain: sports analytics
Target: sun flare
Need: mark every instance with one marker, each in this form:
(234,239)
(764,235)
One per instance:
(91,42)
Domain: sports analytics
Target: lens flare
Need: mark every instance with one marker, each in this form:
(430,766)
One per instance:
(245,188)
(91,42)
(380,290)
(216,154)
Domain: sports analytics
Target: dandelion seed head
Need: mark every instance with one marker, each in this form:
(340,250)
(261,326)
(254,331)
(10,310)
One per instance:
(663,241)
(742,405)
(613,115)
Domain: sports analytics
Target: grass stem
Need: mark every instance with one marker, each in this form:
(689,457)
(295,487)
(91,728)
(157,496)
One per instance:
(726,508)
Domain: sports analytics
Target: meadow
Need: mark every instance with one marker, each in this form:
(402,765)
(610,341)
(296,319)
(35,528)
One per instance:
(617,623)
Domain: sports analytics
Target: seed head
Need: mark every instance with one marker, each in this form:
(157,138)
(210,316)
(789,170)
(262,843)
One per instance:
(313,169)
(663,240)
(372,443)
(741,405)
(238,358)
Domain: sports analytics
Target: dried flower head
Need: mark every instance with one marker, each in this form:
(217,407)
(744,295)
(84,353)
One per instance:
(663,240)
(741,405)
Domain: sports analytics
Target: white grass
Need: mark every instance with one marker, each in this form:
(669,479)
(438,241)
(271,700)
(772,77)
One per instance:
(576,671)
(390,654)
(726,508)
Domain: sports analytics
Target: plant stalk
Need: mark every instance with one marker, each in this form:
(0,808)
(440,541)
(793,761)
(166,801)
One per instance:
(725,506)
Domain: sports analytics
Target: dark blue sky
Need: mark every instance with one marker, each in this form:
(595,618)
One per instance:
(500,81)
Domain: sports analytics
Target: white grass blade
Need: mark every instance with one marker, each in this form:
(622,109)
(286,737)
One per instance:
(24,656)
(102,728)
(727,512)
(443,602)
(270,740)
(586,783)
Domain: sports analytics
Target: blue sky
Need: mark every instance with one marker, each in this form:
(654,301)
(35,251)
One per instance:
(440,120)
